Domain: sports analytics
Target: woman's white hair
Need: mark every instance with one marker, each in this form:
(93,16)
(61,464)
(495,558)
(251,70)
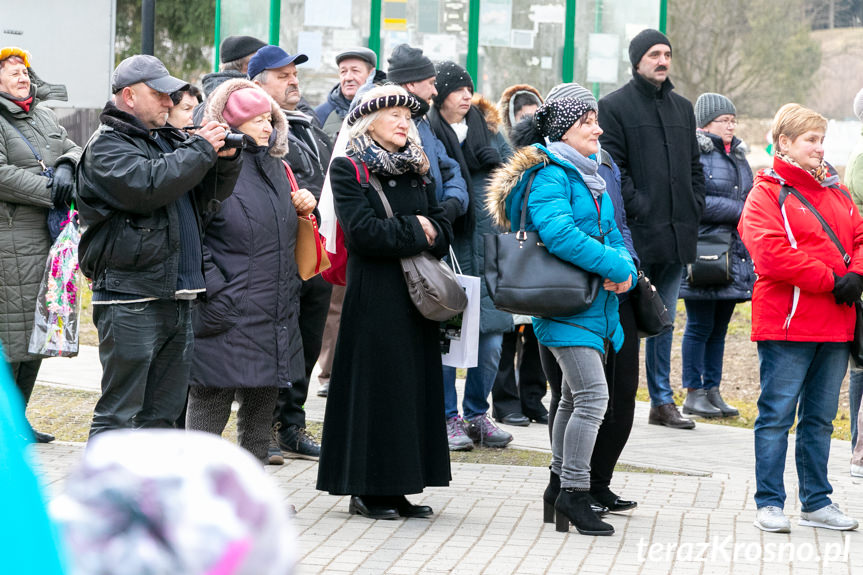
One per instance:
(361,126)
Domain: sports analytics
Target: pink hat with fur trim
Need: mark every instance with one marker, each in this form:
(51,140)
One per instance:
(245,104)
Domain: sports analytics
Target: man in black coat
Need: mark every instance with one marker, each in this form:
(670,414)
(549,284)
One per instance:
(143,190)
(309,156)
(650,133)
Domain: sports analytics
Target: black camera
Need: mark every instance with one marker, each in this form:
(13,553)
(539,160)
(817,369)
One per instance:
(233,141)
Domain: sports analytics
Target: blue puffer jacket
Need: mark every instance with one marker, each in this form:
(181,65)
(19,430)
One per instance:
(729,179)
(564,212)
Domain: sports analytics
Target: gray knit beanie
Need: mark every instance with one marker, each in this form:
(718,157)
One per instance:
(710,106)
(573,90)
(858,105)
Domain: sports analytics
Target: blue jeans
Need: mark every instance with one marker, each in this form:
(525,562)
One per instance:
(657,350)
(855,392)
(479,380)
(704,342)
(802,378)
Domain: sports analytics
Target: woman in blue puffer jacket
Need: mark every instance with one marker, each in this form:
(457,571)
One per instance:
(570,209)
(709,308)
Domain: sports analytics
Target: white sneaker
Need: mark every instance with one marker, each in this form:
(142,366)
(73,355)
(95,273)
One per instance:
(829,517)
(856,470)
(772,519)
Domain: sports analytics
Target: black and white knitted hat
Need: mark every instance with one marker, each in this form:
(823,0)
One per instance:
(389,101)
(450,77)
(555,117)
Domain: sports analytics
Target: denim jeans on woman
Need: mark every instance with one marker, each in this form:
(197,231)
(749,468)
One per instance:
(584,399)
(479,380)
(793,374)
(704,342)
(657,350)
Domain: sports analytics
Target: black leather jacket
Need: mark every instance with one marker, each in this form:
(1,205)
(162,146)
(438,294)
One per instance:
(127,192)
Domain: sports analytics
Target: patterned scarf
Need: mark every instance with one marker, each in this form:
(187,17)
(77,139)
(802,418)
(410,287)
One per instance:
(411,158)
(821,173)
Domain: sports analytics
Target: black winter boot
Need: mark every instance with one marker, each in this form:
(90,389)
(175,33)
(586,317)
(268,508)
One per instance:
(574,507)
(550,496)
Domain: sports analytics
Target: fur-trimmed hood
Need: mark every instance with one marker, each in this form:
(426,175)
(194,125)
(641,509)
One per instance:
(489,112)
(504,106)
(219,98)
(504,180)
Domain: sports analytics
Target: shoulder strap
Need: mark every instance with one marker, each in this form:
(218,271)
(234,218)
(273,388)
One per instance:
(523,220)
(786,189)
(29,145)
(365,178)
(291,178)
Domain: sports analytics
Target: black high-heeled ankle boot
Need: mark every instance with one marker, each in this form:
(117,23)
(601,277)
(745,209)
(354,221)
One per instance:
(549,496)
(574,507)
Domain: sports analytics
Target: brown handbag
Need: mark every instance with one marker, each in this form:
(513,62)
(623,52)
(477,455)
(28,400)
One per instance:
(309,252)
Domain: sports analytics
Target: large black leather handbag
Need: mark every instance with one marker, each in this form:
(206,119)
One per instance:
(523,277)
(712,266)
(432,284)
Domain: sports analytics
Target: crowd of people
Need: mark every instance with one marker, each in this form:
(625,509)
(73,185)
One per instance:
(189,205)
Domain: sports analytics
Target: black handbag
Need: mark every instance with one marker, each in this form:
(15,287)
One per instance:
(651,315)
(524,278)
(712,266)
(857,342)
(432,284)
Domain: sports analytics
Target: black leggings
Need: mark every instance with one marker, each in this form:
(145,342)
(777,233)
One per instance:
(621,374)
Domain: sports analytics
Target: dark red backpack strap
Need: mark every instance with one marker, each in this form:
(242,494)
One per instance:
(362,177)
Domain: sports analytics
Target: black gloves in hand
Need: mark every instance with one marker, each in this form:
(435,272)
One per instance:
(847,289)
(488,156)
(451,208)
(63,186)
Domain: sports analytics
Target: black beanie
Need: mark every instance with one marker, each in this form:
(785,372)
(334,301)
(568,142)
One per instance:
(450,77)
(236,47)
(407,64)
(643,41)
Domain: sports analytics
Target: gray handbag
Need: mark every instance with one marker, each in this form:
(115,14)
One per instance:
(432,284)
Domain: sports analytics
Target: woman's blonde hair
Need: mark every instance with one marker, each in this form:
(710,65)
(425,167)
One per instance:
(794,120)
(361,126)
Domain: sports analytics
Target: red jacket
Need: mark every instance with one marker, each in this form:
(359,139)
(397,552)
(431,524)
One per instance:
(795,259)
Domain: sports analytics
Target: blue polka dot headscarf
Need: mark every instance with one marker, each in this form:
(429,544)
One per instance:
(555,117)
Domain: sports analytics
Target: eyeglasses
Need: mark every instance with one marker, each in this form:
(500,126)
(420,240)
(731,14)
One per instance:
(731,122)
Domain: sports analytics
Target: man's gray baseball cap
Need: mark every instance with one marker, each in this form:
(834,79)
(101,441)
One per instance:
(146,69)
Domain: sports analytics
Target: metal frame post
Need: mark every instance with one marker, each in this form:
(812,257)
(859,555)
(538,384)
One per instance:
(275,16)
(663,15)
(375,28)
(217,36)
(148,27)
(472,63)
(568,65)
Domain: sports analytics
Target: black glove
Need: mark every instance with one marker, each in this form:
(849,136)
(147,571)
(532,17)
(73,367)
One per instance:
(62,186)
(488,156)
(847,289)
(451,208)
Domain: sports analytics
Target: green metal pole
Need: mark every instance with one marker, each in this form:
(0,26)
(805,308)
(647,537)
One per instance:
(375,28)
(568,70)
(472,63)
(597,28)
(663,15)
(275,15)
(217,35)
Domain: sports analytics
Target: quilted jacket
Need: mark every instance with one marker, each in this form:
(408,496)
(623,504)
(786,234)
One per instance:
(24,202)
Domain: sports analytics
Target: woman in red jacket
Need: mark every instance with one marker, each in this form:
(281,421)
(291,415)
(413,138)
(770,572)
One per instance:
(802,314)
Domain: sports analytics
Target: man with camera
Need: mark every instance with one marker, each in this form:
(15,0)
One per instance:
(143,191)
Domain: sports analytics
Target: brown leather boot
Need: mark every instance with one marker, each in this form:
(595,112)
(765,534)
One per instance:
(668,416)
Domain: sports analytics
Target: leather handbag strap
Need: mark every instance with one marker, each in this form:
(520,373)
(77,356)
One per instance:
(29,145)
(523,220)
(786,189)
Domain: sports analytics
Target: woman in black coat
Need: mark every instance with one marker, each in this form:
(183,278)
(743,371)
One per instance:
(247,337)
(728,179)
(384,430)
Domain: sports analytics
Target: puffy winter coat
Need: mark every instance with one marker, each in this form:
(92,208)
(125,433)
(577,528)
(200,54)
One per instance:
(247,328)
(127,193)
(650,133)
(565,214)
(24,203)
(728,179)
(795,259)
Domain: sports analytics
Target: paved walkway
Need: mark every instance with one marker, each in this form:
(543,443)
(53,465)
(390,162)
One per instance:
(489,521)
